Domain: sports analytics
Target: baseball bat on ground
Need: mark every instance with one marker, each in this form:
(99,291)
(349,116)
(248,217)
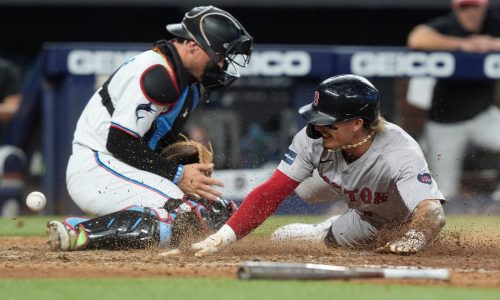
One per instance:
(274,270)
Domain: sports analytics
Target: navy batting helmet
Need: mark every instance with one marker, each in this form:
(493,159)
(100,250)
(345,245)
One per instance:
(220,35)
(342,98)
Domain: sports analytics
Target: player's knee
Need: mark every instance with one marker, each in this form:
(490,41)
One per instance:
(330,239)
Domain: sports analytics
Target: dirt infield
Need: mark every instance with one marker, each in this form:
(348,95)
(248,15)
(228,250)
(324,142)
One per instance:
(475,262)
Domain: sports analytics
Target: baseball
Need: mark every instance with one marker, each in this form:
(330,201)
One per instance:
(36,201)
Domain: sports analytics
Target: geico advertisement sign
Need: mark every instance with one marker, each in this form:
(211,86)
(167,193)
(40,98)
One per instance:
(87,62)
(492,66)
(278,63)
(298,63)
(266,63)
(436,64)
(392,64)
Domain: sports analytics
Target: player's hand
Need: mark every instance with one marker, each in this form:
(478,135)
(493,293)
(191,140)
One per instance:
(412,242)
(215,242)
(195,181)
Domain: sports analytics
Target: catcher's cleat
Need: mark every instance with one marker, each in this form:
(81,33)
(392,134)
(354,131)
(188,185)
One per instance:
(61,238)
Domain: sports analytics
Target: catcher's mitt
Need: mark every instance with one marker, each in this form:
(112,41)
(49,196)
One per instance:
(188,152)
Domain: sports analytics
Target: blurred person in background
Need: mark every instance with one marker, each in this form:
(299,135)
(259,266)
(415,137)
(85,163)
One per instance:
(462,112)
(12,159)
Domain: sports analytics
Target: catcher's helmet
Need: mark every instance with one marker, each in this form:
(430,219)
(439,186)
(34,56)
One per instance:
(342,98)
(220,35)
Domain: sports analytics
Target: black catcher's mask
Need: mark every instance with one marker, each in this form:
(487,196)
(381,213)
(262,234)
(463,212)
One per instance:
(222,37)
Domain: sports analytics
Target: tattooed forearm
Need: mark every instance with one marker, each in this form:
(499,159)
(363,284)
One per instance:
(428,218)
(426,222)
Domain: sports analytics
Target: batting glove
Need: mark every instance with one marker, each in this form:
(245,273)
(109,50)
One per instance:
(412,242)
(215,242)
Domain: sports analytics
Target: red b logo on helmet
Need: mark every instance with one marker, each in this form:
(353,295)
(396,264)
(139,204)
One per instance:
(316,98)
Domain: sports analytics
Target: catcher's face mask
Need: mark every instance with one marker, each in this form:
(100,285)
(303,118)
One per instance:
(222,37)
(235,57)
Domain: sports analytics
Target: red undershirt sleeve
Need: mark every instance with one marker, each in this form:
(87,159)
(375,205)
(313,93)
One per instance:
(261,202)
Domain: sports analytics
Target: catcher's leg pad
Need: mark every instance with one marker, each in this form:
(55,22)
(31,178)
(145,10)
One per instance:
(136,227)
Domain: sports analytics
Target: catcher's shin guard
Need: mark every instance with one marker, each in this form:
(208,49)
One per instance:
(125,229)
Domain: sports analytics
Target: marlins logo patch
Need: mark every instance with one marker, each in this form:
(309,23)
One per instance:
(143,107)
(289,157)
(425,178)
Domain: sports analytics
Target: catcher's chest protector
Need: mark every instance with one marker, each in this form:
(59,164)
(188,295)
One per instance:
(166,127)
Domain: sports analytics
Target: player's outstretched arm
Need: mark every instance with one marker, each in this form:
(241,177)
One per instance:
(427,221)
(257,206)
(255,209)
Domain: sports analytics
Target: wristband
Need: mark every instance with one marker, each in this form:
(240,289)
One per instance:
(226,234)
(178,175)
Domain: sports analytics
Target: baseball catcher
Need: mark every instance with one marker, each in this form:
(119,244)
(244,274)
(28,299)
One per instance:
(378,169)
(141,109)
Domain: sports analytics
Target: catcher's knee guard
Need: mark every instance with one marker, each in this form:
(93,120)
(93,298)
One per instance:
(125,229)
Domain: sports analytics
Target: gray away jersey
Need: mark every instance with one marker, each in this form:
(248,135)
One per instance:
(384,185)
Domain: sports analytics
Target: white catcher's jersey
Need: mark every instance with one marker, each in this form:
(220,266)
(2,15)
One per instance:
(384,185)
(98,182)
(125,90)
